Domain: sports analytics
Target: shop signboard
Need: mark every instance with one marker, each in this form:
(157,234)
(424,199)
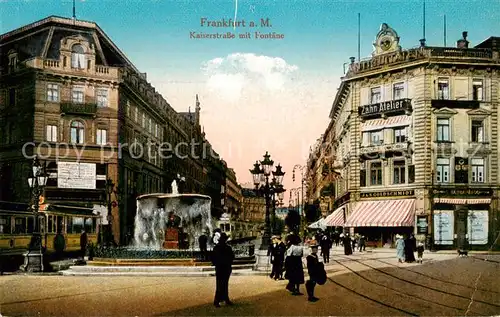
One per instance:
(478,226)
(422,224)
(443,227)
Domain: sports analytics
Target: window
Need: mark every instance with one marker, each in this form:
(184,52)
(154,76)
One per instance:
(477,131)
(443,89)
(376,137)
(144,120)
(77,57)
(399,172)
(443,129)
(101,137)
(477,89)
(443,170)
(150,125)
(156,130)
(375,95)
(52,92)
(398,91)
(102,97)
(400,135)
(411,174)
(77,132)
(77,94)
(477,170)
(127,109)
(51,133)
(136,114)
(376,173)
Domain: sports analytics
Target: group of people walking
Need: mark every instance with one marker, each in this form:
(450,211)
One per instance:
(405,249)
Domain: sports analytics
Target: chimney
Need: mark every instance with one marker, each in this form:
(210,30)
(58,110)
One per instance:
(422,42)
(463,43)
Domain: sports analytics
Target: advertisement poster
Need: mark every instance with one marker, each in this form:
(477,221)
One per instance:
(478,226)
(443,227)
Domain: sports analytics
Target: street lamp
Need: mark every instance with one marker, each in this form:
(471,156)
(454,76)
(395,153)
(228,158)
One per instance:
(109,191)
(33,260)
(261,173)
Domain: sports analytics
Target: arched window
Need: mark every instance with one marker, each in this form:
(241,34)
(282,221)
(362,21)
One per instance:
(77,132)
(77,57)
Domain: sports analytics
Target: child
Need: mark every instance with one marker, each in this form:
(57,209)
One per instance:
(420,251)
(312,267)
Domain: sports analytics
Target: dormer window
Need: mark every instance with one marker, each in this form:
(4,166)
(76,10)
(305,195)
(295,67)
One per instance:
(77,57)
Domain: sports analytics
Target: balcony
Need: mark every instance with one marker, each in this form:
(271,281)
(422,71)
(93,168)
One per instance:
(381,149)
(56,65)
(455,104)
(82,109)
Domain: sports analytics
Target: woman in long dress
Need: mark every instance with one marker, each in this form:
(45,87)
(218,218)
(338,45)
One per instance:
(410,246)
(400,249)
(293,265)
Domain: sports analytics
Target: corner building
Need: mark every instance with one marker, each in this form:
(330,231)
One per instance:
(415,144)
(90,115)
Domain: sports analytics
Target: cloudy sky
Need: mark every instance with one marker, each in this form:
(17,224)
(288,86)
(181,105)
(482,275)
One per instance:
(259,94)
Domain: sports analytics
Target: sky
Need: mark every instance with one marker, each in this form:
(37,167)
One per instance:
(259,95)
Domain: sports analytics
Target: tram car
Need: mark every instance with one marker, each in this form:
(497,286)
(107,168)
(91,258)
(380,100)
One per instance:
(17,224)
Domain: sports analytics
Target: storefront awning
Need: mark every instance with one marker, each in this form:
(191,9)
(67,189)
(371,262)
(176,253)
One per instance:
(461,201)
(377,124)
(383,213)
(320,224)
(336,218)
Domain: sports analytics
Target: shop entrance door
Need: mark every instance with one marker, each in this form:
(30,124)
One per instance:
(461,228)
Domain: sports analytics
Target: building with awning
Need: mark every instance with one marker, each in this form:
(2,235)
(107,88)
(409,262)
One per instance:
(336,218)
(412,145)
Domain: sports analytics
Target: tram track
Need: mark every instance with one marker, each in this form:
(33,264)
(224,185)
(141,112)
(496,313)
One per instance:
(398,291)
(415,283)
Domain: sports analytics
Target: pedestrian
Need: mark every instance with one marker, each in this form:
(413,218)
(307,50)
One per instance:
(353,241)
(336,238)
(222,259)
(362,243)
(400,248)
(420,251)
(59,244)
(313,271)
(410,247)
(277,253)
(347,244)
(326,244)
(293,266)
(202,242)
(216,236)
(83,243)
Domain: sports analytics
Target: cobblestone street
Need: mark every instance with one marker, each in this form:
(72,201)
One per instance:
(364,284)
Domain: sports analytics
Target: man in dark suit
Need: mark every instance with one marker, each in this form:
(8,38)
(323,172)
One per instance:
(325,244)
(277,252)
(222,259)
(202,241)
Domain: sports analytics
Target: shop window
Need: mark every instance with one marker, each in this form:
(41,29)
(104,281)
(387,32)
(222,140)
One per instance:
(477,131)
(443,129)
(399,171)
(443,170)
(478,170)
(443,88)
(376,173)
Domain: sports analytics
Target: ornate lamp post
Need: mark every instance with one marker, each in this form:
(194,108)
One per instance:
(110,186)
(33,259)
(261,173)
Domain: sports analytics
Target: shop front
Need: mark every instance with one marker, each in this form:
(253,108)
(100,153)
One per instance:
(462,222)
(383,215)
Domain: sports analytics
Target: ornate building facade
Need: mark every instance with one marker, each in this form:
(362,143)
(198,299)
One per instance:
(70,96)
(412,146)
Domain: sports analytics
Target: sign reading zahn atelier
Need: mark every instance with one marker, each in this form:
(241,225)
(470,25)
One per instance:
(385,107)
(394,193)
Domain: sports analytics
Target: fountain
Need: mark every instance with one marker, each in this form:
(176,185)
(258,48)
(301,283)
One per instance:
(161,218)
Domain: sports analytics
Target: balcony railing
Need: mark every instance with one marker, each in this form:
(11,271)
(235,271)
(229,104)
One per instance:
(416,54)
(54,64)
(79,108)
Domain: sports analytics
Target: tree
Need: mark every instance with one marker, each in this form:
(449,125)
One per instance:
(278,225)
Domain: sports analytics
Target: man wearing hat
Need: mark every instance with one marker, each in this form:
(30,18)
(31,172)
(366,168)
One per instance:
(277,252)
(312,270)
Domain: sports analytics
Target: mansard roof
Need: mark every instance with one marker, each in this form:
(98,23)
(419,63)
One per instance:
(43,38)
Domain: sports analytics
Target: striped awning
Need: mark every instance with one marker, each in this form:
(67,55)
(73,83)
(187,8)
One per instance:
(461,201)
(390,122)
(320,224)
(383,213)
(336,218)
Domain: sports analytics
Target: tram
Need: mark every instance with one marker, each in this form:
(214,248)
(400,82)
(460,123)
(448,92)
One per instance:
(17,224)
